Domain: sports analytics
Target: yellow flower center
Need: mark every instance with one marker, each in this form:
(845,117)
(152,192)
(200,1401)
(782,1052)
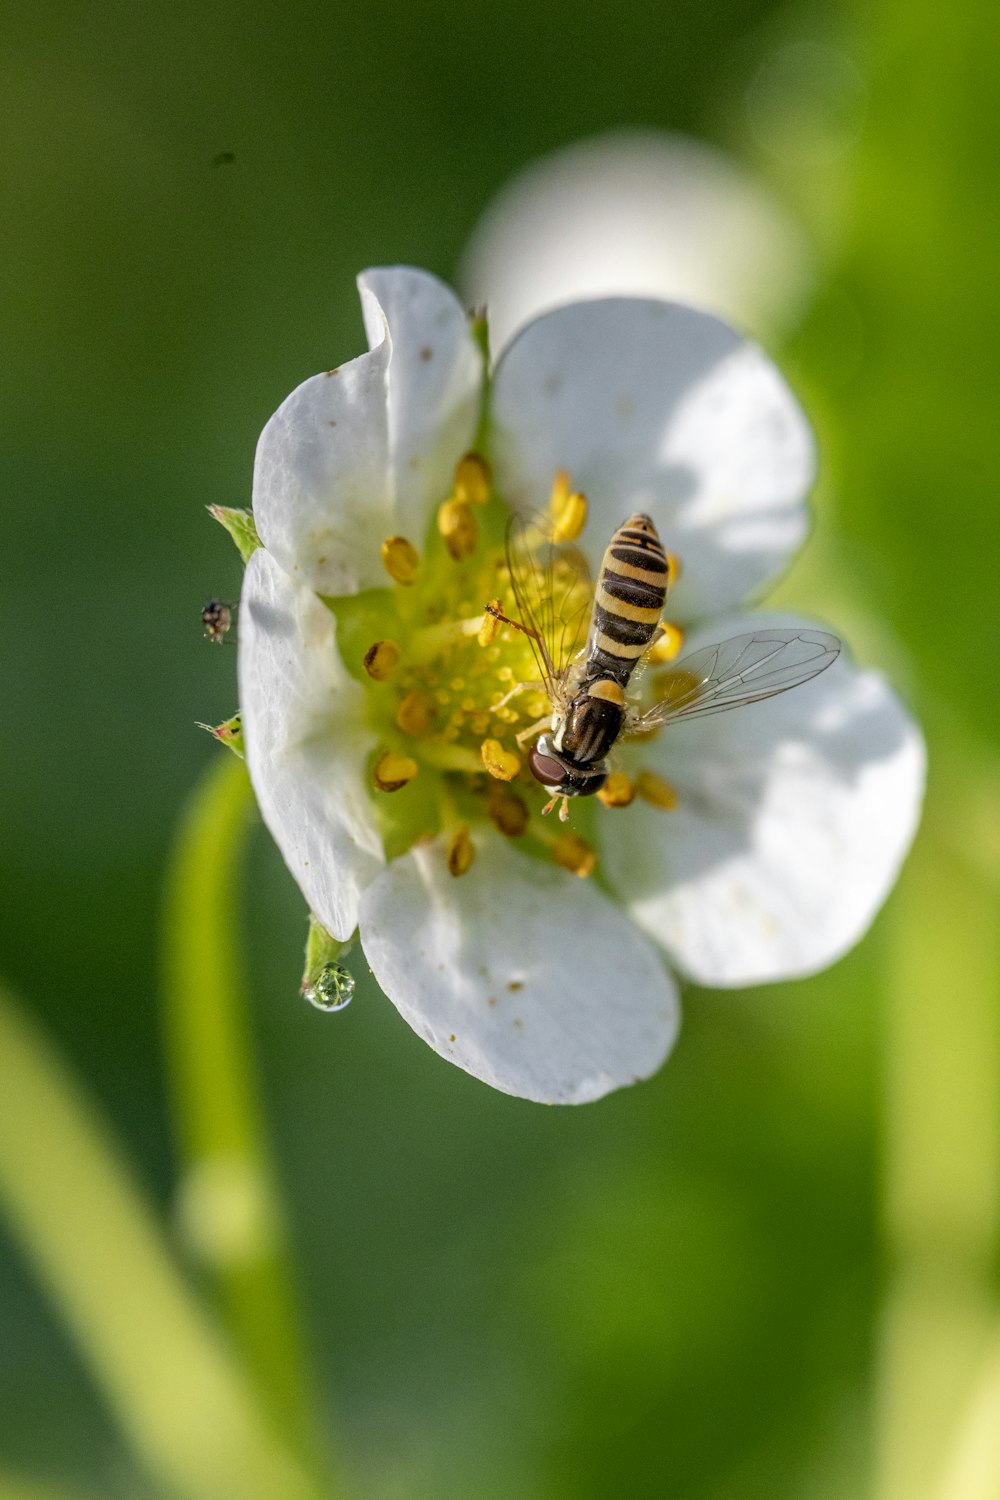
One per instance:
(452,683)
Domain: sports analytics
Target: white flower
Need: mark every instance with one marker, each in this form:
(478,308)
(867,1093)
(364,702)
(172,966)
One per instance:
(639,213)
(792,816)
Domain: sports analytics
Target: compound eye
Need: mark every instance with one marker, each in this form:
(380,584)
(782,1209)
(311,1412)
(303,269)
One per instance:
(546,769)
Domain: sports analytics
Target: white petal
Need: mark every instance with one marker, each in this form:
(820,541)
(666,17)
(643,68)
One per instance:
(364,451)
(435,385)
(305,743)
(656,407)
(794,816)
(642,214)
(522,974)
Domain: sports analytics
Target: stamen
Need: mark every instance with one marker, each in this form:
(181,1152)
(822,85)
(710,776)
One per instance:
(381,659)
(508,811)
(392,771)
(448,757)
(674,569)
(415,713)
(490,627)
(457,526)
(400,559)
(570,517)
(667,644)
(655,790)
(501,763)
(574,854)
(472,479)
(617,791)
(461,852)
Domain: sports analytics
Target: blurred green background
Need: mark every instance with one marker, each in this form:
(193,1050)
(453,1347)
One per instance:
(771,1271)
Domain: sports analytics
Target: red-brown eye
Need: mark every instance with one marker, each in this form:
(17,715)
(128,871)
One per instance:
(546,768)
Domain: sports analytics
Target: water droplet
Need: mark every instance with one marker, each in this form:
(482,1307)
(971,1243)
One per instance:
(332,989)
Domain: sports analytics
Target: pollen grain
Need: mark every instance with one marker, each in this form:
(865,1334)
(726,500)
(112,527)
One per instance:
(400,559)
(393,771)
(457,526)
(574,854)
(502,764)
(472,479)
(380,660)
(461,852)
(617,791)
(656,791)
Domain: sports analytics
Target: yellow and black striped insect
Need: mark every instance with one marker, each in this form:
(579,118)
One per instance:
(587,676)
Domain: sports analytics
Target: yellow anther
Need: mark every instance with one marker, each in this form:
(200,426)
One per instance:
(400,559)
(501,763)
(653,789)
(381,659)
(574,854)
(472,479)
(570,519)
(415,713)
(393,771)
(457,526)
(508,811)
(667,644)
(488,629)
(674,566)
(618,790)
(461,852)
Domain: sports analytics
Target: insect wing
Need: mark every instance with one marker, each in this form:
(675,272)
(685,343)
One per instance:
(554,594)
(744,669)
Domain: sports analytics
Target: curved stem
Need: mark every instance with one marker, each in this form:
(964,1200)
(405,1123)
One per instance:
(940,1391)
(229,1201)
(92,1238)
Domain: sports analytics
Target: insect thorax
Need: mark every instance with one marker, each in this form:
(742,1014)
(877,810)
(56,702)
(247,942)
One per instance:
(593,721)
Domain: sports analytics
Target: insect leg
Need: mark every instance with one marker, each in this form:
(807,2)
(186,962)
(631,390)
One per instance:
(492,609)
(518,687)
(535,728)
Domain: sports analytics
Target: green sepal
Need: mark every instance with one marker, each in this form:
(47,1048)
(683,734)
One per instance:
(241,527)
(228,733)
(321,949)
(479,327)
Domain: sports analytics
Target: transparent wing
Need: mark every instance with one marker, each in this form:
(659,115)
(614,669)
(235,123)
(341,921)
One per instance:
(744,669)
(554,595)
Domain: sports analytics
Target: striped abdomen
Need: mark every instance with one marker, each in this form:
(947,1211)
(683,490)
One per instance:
(628,603)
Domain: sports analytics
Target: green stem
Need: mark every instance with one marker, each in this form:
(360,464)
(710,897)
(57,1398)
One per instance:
(92,1238)
(230,1203)
(939,1357)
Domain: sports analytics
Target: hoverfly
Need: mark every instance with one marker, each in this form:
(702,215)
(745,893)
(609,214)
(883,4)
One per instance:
(588,642)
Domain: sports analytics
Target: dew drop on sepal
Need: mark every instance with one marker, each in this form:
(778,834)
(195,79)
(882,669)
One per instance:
(332,989)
